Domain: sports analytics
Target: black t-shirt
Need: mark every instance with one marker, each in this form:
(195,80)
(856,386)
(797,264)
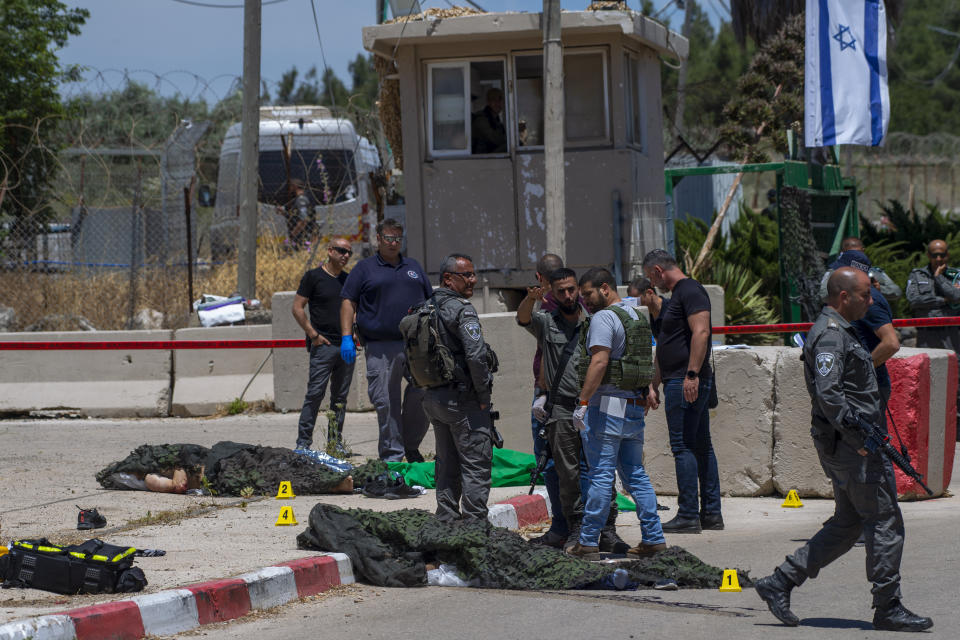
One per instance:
(673,343)
(878,315)
(322,291)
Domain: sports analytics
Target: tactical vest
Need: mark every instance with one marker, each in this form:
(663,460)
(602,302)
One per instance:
(634,370)
(431,362)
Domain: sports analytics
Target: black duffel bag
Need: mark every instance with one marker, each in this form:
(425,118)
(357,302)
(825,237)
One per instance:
(91,567)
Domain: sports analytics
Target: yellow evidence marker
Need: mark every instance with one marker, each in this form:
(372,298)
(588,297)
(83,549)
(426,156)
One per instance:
(793,500)
(286,517)
(730,582)
(285,491)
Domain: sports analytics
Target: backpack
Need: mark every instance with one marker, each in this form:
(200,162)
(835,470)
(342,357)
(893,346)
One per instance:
(430,361)
(634,370)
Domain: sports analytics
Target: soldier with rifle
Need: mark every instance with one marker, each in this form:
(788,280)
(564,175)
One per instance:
(845,419)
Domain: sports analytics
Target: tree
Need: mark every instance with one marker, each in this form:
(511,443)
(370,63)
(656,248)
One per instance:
(334,93)
(307,92)
(31,33)
(366,82)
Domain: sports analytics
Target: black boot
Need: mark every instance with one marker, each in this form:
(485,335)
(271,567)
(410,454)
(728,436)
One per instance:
(775,591)
(611,542)
(679,524)
(896,617)
(711,521)
(574,536)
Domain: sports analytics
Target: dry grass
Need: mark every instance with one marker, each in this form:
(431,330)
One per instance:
(104,298)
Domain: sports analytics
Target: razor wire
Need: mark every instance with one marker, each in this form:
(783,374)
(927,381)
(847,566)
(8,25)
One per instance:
(135,164)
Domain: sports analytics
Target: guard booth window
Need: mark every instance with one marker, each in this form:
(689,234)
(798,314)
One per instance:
(467,108)
(585,97)
(633,82)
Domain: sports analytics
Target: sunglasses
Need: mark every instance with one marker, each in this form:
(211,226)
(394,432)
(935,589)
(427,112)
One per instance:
(466,275)
(939,255)
(342,251)
(392,239)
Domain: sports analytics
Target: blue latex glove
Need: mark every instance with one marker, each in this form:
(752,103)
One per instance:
(348,350)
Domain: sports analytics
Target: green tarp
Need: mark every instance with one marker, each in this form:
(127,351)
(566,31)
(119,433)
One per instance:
(510,469)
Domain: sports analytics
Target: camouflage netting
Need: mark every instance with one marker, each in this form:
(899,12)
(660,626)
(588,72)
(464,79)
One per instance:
(802,262)
(230,467)
(392,550)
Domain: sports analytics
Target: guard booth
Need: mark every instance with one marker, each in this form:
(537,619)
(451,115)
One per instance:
(816,210)
(469,190)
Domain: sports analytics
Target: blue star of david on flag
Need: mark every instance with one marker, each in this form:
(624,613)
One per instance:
(844,30)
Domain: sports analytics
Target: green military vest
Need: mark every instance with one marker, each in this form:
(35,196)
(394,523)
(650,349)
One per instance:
(634,370)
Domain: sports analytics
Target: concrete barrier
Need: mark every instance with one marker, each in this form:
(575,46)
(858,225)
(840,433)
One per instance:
(741,426)
(292,366)
(513,383)
(923,403)
(205,379)
(95,383)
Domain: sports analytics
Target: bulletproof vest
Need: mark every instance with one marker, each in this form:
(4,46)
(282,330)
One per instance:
(634,370)
(431,362)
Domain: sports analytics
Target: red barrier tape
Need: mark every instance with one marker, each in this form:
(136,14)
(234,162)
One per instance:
(139,345)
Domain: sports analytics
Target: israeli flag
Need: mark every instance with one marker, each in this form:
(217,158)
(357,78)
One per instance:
(846,98)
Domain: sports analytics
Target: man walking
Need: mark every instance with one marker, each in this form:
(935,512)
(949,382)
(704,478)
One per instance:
(320,288)
(379,292)
(616,372)
(683,364)
(460,410)
(840,379)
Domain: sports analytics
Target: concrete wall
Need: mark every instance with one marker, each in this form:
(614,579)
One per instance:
(96,383)
(208,378)
(292,365)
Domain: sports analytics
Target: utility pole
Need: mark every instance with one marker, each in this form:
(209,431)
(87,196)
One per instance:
(381,11)
(553,129)
(249,137)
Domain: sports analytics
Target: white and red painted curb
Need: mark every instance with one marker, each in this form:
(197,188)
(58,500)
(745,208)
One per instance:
(177,610)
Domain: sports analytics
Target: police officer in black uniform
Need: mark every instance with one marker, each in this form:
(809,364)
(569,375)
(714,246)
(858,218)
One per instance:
(460,412)
(841,382)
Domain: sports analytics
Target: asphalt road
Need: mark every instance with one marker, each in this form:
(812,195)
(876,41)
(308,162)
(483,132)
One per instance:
(45,466)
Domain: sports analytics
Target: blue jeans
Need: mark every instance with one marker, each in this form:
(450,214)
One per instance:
(613,444)
(693,456)
(550,480)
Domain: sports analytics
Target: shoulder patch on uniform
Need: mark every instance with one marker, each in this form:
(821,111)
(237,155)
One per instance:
(832,324)
(825,363)
(473,330)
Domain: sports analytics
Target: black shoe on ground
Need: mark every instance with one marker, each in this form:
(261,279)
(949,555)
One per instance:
(775,591)
(376,488)
(896,617)
(90,519)
(400,491)
(711,522)
(680,524)
(550,539)
(611,542)
(413,456)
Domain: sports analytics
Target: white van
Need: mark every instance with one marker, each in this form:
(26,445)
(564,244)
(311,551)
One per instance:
(305,144)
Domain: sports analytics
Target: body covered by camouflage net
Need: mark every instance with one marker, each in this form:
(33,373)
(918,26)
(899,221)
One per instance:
(230,467)
(392,549)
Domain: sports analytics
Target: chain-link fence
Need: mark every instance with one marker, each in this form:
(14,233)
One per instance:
(122,232)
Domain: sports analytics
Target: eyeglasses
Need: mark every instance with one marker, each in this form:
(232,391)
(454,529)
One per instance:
(466,275)
(939,254)
(392,239)
(342,251)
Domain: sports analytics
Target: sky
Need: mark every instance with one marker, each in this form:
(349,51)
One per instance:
(198,51)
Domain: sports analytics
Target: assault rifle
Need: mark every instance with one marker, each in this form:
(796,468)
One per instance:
(876,439)
(494,434)
(542,459)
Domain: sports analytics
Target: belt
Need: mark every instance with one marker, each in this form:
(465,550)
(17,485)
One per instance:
(637,401)
(567,402)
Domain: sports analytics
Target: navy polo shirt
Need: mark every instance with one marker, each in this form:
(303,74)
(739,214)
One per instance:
(383,293)
(878,315)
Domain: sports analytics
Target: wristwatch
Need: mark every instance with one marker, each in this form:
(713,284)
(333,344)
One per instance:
(692,375)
